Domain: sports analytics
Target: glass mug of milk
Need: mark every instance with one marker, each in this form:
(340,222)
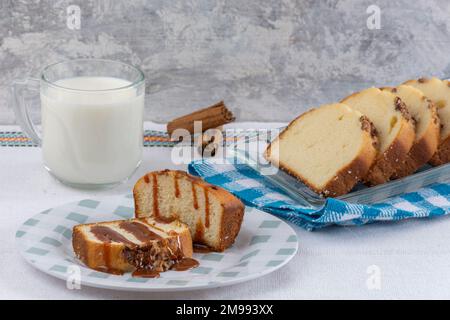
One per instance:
(92,120)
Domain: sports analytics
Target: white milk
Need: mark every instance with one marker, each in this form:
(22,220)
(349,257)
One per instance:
(92,137)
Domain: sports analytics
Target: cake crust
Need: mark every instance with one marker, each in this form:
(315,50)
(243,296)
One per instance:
(344,180)
(442,155)
(232,216)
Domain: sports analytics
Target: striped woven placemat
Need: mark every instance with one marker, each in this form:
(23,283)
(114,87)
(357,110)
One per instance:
(152,138)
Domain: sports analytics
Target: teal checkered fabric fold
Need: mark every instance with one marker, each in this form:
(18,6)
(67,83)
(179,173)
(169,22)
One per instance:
(257,191)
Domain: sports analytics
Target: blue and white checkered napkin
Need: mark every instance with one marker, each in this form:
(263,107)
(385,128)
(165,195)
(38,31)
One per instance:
(257,191)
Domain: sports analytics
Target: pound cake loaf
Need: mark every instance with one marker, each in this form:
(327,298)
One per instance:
(394,126)
(213,215)
(329,149)
(424,114)
(146,246)
(438,91)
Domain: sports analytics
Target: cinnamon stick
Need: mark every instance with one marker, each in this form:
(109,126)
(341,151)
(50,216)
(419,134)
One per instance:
(211,117)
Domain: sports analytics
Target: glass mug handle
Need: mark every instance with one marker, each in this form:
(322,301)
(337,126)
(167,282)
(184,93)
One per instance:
(20,107)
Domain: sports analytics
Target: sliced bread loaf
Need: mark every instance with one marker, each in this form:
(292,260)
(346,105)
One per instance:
(438,91)
(213,215)
(424,114)
(329,149)
(394,127)
(146,245)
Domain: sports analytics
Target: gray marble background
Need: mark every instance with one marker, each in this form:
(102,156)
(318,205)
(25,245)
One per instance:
(269,60)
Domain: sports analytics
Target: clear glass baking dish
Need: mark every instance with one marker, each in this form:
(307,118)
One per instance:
(249,150)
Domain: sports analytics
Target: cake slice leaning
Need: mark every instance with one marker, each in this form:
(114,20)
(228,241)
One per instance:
(394,127)
(426,120)
(146,246)
(329,149)
(438,91)
(213,215)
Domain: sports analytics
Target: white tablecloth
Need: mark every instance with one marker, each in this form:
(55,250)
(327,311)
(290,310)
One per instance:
(408,259)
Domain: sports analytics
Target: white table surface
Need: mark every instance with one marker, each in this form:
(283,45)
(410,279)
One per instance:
(412,257)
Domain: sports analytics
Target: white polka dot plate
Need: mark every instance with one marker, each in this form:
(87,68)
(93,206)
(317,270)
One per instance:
(264,244)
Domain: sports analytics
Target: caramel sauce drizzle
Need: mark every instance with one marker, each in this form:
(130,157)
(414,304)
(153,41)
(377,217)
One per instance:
(205,190)
(194,196)
(107,259)
(199,232)
(177,187)
(155,195)
(165,220)
(180,245)
(140,231)
(198,248)
(181,265)
(185,264)
(146,179)
(145,273)
(107,235)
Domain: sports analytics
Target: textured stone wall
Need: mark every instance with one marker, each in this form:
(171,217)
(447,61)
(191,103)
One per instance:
(269,59)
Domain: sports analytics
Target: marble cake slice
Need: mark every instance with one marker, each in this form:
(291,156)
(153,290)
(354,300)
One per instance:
(144,245)
(330,149)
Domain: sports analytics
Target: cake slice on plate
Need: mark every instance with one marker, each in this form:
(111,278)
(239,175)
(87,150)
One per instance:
(394,126)
(329,149)
(426,120)
(145,246)
(438,91)
(213,215)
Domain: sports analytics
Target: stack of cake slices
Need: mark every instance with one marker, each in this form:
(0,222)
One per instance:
(371,136)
